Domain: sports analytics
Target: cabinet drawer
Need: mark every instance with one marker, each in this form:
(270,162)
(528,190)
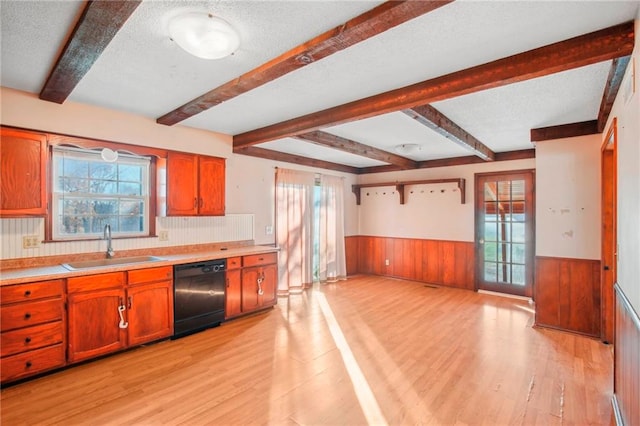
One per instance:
(234,262)
(259,259)
(96,282)
(26,339)
(27,314)
(139,276)
(32,362)
(31,291)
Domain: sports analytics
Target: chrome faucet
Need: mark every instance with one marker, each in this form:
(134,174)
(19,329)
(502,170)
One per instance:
(107,236)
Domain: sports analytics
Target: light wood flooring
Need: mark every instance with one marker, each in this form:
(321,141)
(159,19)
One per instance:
(366,350)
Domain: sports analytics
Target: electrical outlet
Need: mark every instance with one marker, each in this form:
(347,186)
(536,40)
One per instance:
(30,241)
(268,229)
(386,262)
(163,235)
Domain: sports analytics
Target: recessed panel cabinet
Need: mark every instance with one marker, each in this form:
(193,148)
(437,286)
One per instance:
(113,311)
(253,286)
(23,160)
(195,185)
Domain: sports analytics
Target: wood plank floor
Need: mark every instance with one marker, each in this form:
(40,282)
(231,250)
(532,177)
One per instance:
(365,350)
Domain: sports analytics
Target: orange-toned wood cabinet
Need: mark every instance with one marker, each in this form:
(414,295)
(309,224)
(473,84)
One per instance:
(233,293)
(195,185)
(33,332)
(150,304)
(251,283)
(23,165)
(112,311)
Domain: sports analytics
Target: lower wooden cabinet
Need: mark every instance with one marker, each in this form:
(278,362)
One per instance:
(150,305)
(127,309)
(253,286)
(93,316)
(32,325)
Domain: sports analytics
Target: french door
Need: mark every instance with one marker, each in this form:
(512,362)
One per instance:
(505,234)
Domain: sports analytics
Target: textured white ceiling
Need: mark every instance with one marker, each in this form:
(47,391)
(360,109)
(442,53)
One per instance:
(143,72)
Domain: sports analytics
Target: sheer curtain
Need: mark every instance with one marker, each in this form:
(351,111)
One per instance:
(331,253)
(294,214)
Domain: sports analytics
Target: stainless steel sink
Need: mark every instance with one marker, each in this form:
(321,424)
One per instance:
(74,266)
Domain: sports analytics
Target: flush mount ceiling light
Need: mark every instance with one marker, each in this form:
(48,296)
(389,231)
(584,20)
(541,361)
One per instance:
(204,35)
(408,148)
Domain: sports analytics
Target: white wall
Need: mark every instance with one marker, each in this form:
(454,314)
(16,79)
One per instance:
(429,215)
(568,219)
(249,181)
(627,110)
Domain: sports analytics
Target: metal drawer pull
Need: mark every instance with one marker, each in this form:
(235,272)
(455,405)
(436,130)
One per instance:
(28,364)
(27,340)
(260,279)
(27,316)
(123,323)
(27,293)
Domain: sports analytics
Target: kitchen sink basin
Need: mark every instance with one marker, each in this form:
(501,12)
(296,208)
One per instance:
(74,266)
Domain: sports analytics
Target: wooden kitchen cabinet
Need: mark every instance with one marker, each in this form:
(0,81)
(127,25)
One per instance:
(259,281)
(23,165)
(195,185)
(96,327)
(150,304)
(93,317)
(244,294)
(32,325)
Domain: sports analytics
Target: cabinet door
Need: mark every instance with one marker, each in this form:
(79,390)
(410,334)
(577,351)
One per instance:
(182,184)
(269,285)
(233,294)
(94,320)
(211,188)
(150,312)
(250,301)
(23,159)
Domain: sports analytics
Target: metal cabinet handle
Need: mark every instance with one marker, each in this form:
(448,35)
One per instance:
(130,300)
(260,280)
(195,202)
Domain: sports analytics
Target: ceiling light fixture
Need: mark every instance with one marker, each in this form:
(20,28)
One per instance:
(408,148)
(204,35)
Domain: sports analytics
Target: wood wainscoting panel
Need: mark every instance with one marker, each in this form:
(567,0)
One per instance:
(567,294)
(447,263)
(351,249)
(626,364)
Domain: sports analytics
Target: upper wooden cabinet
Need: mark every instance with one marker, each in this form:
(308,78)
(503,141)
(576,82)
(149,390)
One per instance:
(195,185)
(23,161)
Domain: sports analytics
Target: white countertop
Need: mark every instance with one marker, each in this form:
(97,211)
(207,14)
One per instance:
(51,272)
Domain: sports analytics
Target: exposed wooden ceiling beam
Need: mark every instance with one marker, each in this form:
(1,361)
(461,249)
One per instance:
(616,73)
(456,161)
(435,120)
(564,131)
(269,154)
(98,24)
(357,148)
(373,22)
(606,44)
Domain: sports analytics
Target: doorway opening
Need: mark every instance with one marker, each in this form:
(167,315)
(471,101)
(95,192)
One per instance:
(609,243)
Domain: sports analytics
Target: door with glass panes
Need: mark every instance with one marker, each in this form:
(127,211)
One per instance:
(505,232)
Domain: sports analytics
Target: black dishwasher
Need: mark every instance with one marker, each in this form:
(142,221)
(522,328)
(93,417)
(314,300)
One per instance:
(199,296)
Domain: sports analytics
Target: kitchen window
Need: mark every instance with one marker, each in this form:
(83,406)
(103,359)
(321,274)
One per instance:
(91,190)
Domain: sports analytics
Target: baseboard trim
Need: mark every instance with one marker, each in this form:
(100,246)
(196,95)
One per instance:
(616,411)
(511,296)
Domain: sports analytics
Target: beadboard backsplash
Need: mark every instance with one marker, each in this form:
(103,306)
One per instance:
(180,231)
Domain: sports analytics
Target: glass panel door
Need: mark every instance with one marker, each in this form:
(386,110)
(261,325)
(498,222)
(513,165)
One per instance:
(504,232)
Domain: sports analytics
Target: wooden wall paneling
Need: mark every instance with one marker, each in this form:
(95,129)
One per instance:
(418,253)
(431,264)
(379,246)
(626,375)
(352,254)
(547,292)
(390,255)
(408,256)
(447,257)
(568,294)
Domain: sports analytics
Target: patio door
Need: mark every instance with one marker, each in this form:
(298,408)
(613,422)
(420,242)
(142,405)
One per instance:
(505,234)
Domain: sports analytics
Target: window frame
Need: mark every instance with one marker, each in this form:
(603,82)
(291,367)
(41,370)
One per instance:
(157,160)
(89,156)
